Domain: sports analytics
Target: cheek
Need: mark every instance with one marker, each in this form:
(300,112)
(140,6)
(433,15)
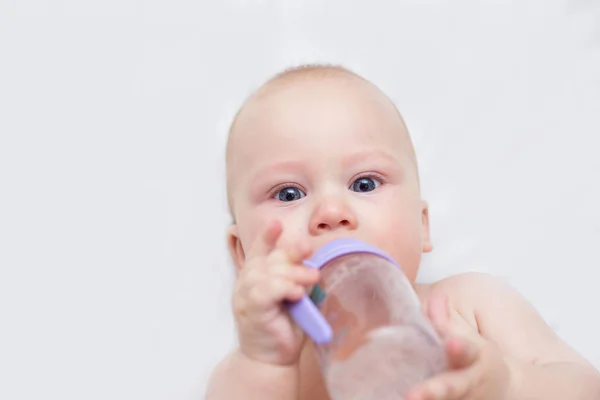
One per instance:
(251,224)
(397,230)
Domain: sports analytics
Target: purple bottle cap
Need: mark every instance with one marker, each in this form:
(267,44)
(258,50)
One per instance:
(305,312)
(341,247)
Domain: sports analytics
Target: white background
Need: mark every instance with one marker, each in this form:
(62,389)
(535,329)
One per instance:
(114,279)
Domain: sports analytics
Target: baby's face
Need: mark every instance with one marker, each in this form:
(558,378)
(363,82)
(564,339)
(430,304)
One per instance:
(329,157)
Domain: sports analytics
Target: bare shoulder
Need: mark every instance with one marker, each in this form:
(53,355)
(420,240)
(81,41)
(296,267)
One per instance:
(470,284)
(481,294)
(505,317)
(466,292)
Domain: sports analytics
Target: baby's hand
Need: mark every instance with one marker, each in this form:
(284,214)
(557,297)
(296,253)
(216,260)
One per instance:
(477,370)
(271,276)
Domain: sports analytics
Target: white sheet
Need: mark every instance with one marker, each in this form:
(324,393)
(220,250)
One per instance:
(114,276)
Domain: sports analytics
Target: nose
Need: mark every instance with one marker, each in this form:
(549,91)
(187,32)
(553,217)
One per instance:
(332,214)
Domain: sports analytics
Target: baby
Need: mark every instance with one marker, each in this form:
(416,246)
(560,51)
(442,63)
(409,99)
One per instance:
(319,153)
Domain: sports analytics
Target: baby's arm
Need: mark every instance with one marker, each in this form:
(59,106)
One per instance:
(543,366)
(239,377)
(265,365)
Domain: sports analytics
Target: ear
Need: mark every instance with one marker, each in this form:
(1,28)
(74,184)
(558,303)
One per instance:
(426,237)
(235,247)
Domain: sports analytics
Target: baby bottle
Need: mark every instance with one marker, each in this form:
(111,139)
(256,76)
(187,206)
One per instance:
(371,337)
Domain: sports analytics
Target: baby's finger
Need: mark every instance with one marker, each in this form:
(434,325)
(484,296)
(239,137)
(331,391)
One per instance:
(461,353)
(278,266)
(298,252)
(446,321)
(298,274)
(266,242)
(274,291)
(448,386)
(438,312)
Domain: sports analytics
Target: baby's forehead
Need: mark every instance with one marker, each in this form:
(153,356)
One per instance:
(291,121)
(301,95)
(285,112)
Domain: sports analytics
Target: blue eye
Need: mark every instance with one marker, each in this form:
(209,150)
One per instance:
(363,185)
(290,194)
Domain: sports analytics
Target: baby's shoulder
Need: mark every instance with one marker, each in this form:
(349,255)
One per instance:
(479,299)
(458,290)
(500,314)
(459,282)
(466,290)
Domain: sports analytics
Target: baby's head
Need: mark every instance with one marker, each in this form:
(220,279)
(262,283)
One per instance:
(326,153)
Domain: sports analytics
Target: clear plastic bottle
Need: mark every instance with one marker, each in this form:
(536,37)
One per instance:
(364,317)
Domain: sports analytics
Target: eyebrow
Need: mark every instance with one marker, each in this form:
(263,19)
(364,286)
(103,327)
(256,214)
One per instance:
(348,160)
